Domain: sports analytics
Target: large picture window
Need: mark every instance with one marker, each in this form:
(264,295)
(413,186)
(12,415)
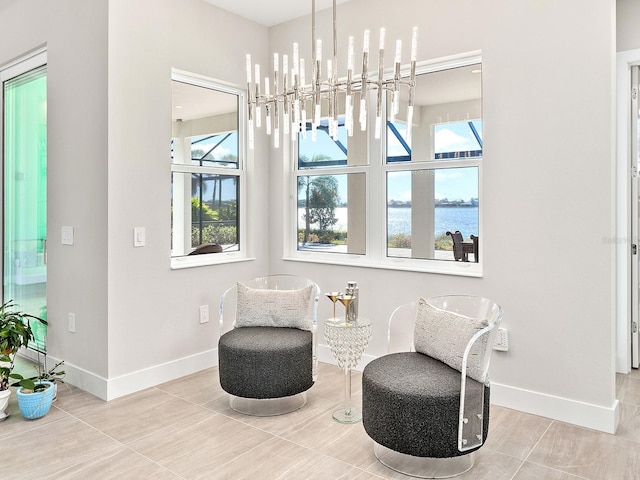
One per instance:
(415,203)
(206,172)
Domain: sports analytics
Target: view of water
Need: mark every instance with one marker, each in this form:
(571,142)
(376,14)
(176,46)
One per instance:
(464,219)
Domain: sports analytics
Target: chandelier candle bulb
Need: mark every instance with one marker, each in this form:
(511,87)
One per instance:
(285,70)
(266,92)
(382,35)
(295,59)
(398,51)
(258,109)
(249,69)
(414,44)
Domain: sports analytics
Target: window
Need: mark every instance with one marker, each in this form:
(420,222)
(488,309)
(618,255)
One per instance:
(331,191)
(393,206)
(207,174)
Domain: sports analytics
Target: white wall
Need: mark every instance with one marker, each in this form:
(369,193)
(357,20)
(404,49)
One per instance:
(109,128)
(77,165)
(153,311)
(547,191)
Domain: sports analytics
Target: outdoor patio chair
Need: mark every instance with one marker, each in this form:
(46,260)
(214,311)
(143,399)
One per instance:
(462,249)
(267,348)
(426,403)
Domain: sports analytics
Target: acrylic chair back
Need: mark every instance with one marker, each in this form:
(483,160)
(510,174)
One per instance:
(400,339)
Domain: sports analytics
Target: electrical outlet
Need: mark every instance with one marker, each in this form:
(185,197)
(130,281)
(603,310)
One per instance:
(502,340)
(204,313)
(72,322)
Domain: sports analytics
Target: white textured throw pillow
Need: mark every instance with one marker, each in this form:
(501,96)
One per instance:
(444,335)
(274,308)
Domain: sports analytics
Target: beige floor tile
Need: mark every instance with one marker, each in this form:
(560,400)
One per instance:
(531,471)
(17,424)
(368,476)
(517,442)
(628,389)
(132,417)
(55,446)
(635,373)
(629,426)
(217,441)
(215,436)
(587,453)
(315,407)
(199,388)
(348,443)
(121,464)
(280,459)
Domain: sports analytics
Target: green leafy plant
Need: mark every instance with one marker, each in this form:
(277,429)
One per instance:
(54,374)
(15,332)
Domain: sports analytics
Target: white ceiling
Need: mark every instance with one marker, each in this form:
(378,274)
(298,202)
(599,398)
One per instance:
(271,12)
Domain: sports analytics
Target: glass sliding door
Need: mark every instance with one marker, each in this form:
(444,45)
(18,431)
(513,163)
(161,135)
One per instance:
(24,134)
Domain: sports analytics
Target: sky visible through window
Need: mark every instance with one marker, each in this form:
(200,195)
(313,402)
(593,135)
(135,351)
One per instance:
(452,184)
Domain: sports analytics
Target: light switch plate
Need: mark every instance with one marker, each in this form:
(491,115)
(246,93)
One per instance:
(67,236)
(139,237)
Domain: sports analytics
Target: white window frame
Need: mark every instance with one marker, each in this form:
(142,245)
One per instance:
(376,176)
(240,255)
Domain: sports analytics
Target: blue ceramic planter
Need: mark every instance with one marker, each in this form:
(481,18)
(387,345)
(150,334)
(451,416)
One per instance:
(37,404)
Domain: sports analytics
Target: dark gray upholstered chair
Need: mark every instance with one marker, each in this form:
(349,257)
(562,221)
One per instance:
(424,414)
(267,346)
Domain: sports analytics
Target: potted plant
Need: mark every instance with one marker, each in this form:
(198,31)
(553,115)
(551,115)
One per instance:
(35,402)
(53,375)
(15,332)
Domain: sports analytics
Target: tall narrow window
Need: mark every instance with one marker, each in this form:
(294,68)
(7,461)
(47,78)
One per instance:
(332,191)
(432,184)
(206,169)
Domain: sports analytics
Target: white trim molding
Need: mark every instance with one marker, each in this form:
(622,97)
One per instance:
(625,60)
(111,388)
(596,417)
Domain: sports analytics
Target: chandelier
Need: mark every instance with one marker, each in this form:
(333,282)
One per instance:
(293,102)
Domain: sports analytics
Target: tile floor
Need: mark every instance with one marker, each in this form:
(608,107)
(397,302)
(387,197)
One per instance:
(185,430)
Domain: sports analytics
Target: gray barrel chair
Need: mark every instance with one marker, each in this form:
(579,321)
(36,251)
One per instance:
(426,403)
(267,347)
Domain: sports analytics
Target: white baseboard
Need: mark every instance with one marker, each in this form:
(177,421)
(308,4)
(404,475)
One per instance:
(596,417)
(112,388)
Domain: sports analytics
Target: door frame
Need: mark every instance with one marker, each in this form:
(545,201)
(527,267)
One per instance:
(625,237)
(19,66)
